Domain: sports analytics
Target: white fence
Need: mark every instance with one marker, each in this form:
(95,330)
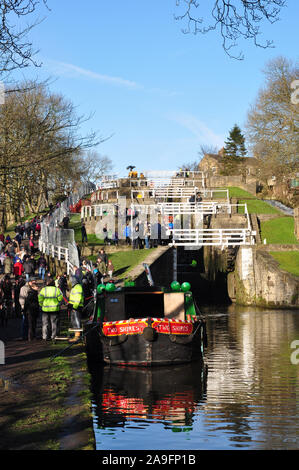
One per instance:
(58,252)
(212,237)
(175,208)
(165,193)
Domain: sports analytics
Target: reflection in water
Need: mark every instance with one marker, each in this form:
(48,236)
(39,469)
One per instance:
(248,399)
(135,398)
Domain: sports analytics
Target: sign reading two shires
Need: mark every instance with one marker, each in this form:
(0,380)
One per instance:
(133,327)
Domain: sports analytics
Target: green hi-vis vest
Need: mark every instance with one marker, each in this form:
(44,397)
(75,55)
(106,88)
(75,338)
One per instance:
(50,298)
(76,296)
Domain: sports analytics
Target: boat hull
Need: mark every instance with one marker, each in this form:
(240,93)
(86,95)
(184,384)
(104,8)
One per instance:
(146,348)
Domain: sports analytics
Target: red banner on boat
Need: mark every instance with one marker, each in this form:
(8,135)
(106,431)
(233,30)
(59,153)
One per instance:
(173,327)
(124,328)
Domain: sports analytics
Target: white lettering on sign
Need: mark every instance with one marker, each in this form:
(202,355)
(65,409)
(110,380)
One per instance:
(295,354)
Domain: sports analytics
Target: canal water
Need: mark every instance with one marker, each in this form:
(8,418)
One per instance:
(244,396)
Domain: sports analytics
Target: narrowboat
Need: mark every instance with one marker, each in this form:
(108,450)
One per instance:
(145,326)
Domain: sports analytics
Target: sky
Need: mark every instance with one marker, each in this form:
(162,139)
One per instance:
(157,93)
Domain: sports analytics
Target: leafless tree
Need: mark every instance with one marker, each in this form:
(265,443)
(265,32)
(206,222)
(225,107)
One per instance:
(273,121)
(207,149)
(16,50)
(40,147)
(94,166)
(235,20)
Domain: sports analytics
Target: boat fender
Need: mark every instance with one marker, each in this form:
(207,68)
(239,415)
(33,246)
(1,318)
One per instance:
(181,339)
(149,333)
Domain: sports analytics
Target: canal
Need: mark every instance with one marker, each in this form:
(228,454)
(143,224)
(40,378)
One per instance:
(244,396)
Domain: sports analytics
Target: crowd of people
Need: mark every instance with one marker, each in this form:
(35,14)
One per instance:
(28,291)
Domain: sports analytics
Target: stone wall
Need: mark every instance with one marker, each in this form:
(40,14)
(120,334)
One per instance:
(219,181)
(56,267)
(258,280)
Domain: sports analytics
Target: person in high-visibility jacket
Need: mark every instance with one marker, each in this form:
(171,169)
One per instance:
(50,299)
(76,301)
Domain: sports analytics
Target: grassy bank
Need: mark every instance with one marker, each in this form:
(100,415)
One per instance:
(239,192)
(288,260)
(124,261)
(36,411)
(256,206)
(279,230)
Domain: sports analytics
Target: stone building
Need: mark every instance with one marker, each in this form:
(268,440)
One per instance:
(211,164)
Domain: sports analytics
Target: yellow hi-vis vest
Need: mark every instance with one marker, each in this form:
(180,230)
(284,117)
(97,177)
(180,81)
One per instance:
(76,296)
(50,298)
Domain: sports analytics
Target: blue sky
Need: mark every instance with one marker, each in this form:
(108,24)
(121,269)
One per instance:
(161,93)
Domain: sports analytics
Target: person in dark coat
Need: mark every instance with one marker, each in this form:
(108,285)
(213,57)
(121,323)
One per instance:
(83,233)
(42,266)
(29,268)
(7,297)
(62,284)
(19,283)
(30,309)
(65,222)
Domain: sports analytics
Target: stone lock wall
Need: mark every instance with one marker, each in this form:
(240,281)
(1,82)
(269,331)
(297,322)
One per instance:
(258,280)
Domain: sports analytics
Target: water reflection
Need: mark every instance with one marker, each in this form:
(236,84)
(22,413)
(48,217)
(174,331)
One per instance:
(248,399)
(165,395)
(253,387)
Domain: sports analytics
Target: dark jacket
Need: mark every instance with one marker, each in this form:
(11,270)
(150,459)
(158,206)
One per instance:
(31,302)
(29,267)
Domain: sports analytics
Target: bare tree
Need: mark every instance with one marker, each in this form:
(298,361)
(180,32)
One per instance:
(16,50)
(207,149)
(273,121)
(235,20)
(94,166)
(40,147)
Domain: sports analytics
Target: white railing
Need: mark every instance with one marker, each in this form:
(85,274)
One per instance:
(170,182)
(108,185)
(173,174)
(174,208)
(173,193)
(103,195)
(58,252)
(215,194)
(86,211)
(212,237)
(106,178)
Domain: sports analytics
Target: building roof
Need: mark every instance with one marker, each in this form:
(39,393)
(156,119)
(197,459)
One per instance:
(250,161)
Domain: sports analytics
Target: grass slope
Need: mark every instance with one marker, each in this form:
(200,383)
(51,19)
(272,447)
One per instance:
(124,261)
(288,260)
(279,230)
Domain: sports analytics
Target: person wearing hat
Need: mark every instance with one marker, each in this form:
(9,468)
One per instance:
(50,299)
(76,301)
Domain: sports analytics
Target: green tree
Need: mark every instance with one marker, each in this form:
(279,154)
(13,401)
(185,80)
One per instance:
(234,152)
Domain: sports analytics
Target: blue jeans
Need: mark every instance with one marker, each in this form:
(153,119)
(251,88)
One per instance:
(41,272)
